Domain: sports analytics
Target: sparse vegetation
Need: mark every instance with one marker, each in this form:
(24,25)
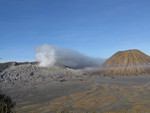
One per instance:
(6,104)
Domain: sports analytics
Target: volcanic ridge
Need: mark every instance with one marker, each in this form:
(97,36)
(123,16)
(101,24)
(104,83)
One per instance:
(122,63)
(129,62)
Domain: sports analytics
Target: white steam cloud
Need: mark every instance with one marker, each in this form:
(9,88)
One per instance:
(49,55)
(46,55)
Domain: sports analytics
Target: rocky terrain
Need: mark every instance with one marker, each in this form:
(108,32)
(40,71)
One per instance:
(112,88)
(30,74)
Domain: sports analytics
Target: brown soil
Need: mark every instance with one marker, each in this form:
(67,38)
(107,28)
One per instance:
(129,62)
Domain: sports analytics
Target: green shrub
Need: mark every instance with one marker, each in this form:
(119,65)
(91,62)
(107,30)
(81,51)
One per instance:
(6,104)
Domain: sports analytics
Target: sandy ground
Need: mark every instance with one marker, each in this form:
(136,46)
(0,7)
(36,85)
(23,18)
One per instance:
(99,94)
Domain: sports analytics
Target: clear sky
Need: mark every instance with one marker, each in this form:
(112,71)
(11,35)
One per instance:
(96,28)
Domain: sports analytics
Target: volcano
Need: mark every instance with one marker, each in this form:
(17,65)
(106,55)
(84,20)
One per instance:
(129,62)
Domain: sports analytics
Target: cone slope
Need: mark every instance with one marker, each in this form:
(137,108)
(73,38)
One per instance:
(129,62)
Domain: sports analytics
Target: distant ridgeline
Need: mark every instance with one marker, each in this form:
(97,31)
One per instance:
(6,65)
(122,63)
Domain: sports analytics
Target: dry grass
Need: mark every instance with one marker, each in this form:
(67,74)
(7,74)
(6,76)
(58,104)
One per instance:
(119,111)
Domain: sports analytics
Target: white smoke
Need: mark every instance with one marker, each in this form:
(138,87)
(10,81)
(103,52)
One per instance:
(49,55)
(45,54)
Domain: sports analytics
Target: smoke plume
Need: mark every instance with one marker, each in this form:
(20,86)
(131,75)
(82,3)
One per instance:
(49,55)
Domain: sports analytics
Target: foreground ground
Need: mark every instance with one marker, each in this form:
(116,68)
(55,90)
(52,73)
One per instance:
(97,94)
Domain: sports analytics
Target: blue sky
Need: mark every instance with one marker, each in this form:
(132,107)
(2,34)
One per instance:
(96,28)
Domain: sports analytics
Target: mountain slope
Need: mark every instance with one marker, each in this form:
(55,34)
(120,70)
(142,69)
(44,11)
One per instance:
(27,74)
(129,62)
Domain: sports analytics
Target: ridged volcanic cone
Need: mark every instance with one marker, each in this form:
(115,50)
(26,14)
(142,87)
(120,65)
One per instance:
(129,62)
